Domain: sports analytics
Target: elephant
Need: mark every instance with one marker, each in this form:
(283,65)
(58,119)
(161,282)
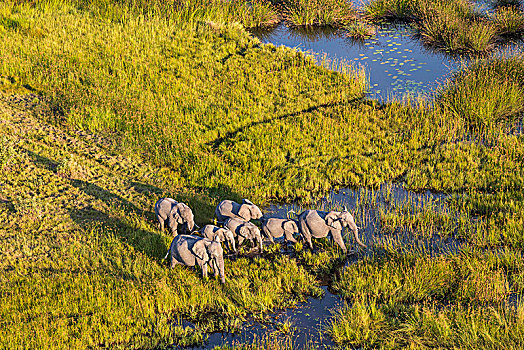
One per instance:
(193,250)
(176,213)
(224,234)
(318,224)
(246,211)
(275,228)
(244,230)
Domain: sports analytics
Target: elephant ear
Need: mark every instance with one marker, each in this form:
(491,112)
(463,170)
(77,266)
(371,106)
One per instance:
(290,226)
(245,212)
(184,210)
(331,217)
(199,249)
(220,237)
(175,213)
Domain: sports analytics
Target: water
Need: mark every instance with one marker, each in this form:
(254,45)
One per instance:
(308,322)
(396,63)
(369,208)
(310,319)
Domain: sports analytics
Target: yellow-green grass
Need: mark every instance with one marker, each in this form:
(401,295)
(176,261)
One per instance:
(360,30)
(333,13)
(141,106)
(487,92)
(402,297)
(509,20)
(82,258)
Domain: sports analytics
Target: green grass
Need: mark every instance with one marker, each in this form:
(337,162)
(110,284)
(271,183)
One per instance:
(83,264)
(107,107)
(401,297)
(509,21)
(487,92)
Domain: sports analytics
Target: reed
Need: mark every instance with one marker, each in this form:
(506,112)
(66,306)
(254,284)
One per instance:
(334,13)
(453,26)
(509,21)
(487,92)
(360,30)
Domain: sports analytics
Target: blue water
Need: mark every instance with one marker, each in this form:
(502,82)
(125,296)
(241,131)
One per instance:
(396,63)
(308,323)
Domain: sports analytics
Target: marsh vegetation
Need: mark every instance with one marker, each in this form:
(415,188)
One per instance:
(108,106)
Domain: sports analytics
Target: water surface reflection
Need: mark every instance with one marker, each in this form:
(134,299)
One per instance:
(396,62)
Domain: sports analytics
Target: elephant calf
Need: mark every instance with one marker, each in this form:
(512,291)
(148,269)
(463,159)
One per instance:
(176,213)
(213,232)
(244,230)
(275,228)
(192,250)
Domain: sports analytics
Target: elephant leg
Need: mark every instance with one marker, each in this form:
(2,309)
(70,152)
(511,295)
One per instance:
(173,263)
(289,237)
(215,268)
(337,237)
(306,233)
(160,223)
(204,271)
(174,229)
(268,234)
(240,240)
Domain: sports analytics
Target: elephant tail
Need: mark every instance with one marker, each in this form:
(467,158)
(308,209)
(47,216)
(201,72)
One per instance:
(167,254)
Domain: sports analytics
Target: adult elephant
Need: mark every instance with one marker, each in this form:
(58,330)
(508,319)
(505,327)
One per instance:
(193,250)
(276,227)
(244,230)
(177,214)
(319,224)
(245,211)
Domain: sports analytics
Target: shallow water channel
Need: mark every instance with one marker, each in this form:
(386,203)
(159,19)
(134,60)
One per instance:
(309,319)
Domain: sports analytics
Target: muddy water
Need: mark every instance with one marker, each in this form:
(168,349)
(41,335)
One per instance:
(396,63)
(308,322)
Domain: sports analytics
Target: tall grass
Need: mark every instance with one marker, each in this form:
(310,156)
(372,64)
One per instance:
(454,26)
(487,92)
(332,13)
(403,297)
(509,21)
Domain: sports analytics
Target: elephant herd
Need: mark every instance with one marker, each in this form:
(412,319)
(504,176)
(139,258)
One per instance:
(235,219)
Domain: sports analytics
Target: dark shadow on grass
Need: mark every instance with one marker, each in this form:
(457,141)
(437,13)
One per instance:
(43,162)
(215,144)
(145,241)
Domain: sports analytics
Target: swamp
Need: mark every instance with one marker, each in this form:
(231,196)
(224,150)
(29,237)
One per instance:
(406,113)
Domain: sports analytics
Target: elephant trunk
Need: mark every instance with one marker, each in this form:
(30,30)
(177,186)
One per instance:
(259,238)
(231,243)
(190,226)
(220,264)
(354,228)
